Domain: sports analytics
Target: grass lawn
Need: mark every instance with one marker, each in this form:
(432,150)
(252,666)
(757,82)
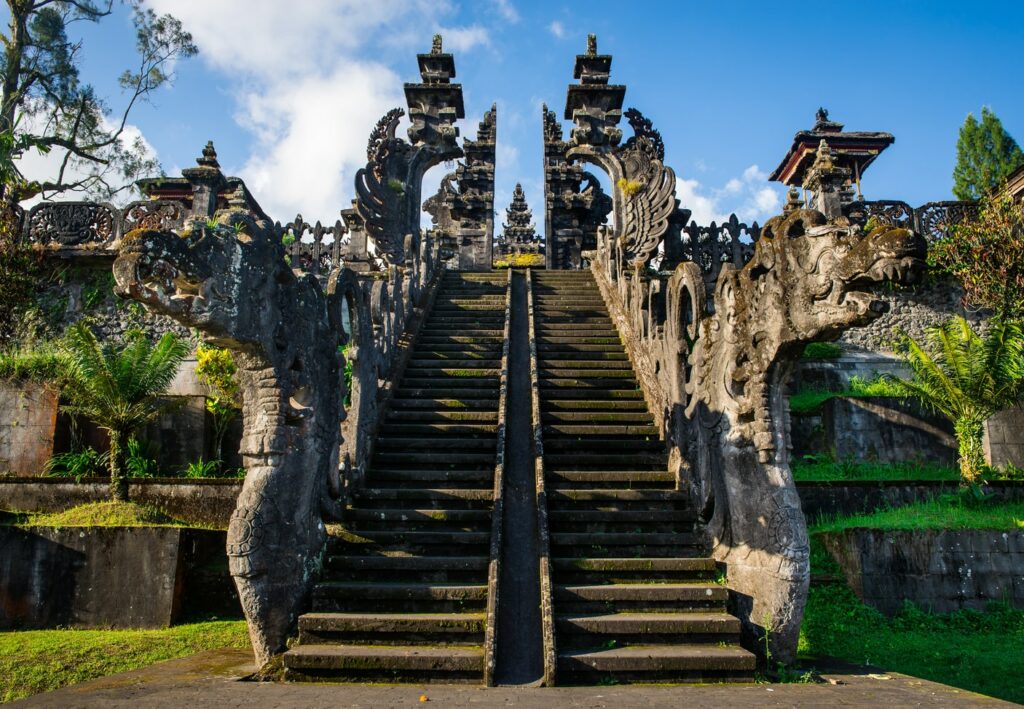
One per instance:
(943,512)
(827,471)
(33,661)
(980,652)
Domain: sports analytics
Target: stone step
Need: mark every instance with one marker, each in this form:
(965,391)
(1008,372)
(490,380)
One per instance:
(473,371)
(380,591)
(584,461)
(580,343)
(489,402)
(640,418)
(613,540)
(440,416)
(673,663)
(396,563)
(487,385)
(455,539)
(429,362)
(417,494)
(422,476)
(605,386)
(606,495)
(387,444)
(549,372)
(640,624)
(588,479)
(633,517)
(641,565)
(391,628)
(674,593)
(582,362)
(429,429)
(593,404)
(604,397)
(326,662)
(589,444)
(406,515)
(449,392)
(600,429)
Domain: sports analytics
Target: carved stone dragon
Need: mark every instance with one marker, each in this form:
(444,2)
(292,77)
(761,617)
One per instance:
(807,281)
(233,284)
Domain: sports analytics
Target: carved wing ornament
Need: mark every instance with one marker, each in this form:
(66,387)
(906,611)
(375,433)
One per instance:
(648,191)
(382,140)
(380,187)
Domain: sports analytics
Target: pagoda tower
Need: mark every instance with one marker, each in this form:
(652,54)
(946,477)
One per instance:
(519,235)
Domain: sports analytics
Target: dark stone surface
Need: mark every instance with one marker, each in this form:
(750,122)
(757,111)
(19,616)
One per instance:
(849,498)
(881,429)
(110,577)
(207,502)
(940,570)
(1004,438)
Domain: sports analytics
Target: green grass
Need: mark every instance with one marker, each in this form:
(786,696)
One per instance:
(33,661)
(847,471)
(100,514)
(980,652)
(43,364)
(822,350)
(954,511)
(807,400)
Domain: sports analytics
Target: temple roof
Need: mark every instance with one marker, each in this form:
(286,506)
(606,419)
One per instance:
(851,149)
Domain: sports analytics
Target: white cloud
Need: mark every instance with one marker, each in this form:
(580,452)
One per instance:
(750,197)
(557,29)
(310,79)
(507,11)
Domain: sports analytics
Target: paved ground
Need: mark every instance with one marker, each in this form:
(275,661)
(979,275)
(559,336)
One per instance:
(211,679)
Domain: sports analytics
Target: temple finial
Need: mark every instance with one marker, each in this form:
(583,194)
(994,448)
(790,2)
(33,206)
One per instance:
(436,48)
(592,44)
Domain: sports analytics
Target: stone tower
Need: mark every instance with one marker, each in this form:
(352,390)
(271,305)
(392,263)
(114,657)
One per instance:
(519,235)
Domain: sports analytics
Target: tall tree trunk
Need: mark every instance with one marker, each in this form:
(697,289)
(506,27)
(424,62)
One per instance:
(970,442)
(118,481)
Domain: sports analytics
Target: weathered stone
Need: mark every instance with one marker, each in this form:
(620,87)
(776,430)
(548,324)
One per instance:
(26,430)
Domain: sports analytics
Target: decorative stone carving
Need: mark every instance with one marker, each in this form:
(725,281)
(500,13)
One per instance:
(518,234)
(68,224)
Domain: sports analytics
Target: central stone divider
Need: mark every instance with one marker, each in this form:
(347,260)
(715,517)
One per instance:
(404,594)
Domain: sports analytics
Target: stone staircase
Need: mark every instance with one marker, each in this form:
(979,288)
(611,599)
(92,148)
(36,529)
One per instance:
(634,595)
(404,593)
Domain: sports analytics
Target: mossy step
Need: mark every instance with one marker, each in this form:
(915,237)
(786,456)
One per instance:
(703,659)
(400,591)
(624,477)
(438,386)
(413,445)
(605,385)
(637,418)
(412,494)
(419,361)
(611,495)
(428,429)
(561,516)
(593,442)
(388,538)
(586,363)
(642,592)
(440,416)
(425,623)
(457,352)
(470,371)
(362,658)
(643,565)
(486,404)
(588,405)
(404,515)
(572,355)
(616,539)
(483,475)
(581,460)
(551,371)
(427,395)
(408,563)
(657,623)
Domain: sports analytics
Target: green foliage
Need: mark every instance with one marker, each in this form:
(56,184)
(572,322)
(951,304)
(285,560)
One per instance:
(821,469)
(288,238)
(216,369)
(977,651)
(85,463)
(20,270)
(822,350)
(140,459)
(118,388)
(347,373)
(39,71)
(986,255)
(201,469)
(43,364)
(37,661)
(965,510)
(397,186)
(966,378)
(97,288)
(985,155)
(806,400)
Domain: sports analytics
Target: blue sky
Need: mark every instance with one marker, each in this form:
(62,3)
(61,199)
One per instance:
(290,90)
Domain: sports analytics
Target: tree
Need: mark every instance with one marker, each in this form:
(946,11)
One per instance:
(985,156)
(119,388)
(985,253)
(967,378)
(216,369)
(46,107)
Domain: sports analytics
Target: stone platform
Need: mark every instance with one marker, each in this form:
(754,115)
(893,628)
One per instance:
(213,679)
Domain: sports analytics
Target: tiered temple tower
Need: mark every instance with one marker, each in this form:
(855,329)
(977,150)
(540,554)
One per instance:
(519,236)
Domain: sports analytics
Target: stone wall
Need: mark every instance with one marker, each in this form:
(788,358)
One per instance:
(99,577)
(879,429)
(201,502)
(28,415)
(939,570)
(1004,438)
(911,309)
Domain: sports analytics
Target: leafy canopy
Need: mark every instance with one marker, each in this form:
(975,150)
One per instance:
(985,156)
(47,107)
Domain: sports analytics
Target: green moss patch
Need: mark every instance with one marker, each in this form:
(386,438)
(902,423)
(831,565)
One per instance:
(102,514)
(831,471)
(807,400)
(34,661)
(944,512)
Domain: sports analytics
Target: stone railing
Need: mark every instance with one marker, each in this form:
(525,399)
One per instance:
(97,226)
(931,220)
(314,248)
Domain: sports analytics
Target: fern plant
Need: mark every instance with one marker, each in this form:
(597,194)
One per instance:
(119,388)
(967,378)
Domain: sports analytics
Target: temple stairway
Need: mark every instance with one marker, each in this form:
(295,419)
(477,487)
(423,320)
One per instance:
(404,593)
(634,594)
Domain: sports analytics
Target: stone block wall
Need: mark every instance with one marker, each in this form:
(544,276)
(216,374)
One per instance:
(939,570)
(1004,438)
(28,416)
(911,310)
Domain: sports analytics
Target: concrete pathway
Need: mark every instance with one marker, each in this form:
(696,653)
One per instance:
(211,679)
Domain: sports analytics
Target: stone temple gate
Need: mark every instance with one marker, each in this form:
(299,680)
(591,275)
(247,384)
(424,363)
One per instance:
(561,474)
